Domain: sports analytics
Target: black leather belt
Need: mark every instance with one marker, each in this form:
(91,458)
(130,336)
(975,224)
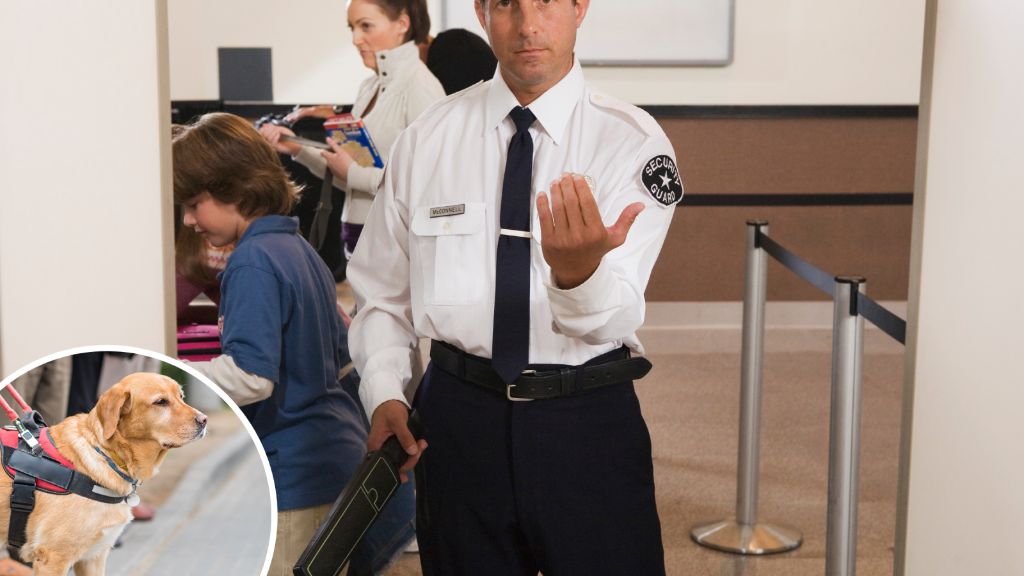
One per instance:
(612,367)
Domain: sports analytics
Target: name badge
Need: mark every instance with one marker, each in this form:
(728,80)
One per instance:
(453,210)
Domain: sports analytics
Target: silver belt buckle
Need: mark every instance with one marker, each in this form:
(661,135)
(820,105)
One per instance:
(509,387)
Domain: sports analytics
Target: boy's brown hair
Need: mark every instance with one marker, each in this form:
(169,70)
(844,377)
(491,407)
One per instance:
(225,156)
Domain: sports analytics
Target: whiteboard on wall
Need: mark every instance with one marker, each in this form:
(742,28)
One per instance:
(637,32)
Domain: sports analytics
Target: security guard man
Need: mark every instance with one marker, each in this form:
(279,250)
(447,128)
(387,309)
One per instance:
(489,237)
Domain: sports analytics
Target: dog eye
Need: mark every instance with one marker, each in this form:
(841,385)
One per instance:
(160,402)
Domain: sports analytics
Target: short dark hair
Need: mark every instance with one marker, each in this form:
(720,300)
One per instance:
(223,155)
(459,59)
(419,18)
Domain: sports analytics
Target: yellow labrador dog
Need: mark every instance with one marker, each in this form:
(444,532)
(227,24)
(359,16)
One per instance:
(131,428)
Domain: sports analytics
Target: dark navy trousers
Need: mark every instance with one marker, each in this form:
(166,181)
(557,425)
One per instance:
(562,486)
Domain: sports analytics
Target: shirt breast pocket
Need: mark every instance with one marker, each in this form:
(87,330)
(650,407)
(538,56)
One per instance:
(453,255)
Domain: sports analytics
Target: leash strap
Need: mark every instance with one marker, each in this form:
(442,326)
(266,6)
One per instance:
(23,501)
(322,216)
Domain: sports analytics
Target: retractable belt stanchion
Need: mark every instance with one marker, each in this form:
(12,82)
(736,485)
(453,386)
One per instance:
(844,433)
(745,535)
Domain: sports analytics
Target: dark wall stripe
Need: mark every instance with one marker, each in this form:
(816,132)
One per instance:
(841,199)
(659,111)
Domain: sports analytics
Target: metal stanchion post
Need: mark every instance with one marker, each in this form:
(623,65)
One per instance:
(844,434)
(745,535)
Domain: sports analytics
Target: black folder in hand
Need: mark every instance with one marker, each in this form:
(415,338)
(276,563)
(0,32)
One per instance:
(356,509)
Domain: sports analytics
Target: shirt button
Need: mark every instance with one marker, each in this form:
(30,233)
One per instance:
(385,73)
(446,226)
(383,56)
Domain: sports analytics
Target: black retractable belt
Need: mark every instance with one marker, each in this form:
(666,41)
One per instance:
(613,367)
(318,230)
(356,509)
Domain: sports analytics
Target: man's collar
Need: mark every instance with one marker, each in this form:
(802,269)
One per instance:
(552,109)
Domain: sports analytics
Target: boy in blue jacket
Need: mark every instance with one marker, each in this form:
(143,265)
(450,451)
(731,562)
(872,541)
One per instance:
(285,355)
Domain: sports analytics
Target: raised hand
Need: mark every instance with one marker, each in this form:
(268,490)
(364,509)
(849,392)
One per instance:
(573,236)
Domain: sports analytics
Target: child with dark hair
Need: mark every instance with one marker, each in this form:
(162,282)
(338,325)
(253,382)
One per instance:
(285,348)
(196,266)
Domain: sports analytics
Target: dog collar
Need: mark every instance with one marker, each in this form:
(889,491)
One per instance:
(132,499)
(113,466)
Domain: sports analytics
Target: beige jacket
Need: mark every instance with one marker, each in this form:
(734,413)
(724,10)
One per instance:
(406,89)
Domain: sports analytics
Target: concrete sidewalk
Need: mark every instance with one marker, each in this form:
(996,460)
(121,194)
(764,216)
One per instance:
(217,520)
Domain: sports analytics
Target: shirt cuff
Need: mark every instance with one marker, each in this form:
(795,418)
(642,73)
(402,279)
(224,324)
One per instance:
(242,387)
(378,389)
(588,297)
(360,178)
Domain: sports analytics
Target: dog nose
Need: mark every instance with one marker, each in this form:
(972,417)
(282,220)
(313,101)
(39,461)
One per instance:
(201,418)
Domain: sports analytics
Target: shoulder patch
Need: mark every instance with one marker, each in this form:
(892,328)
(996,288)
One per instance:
(661,180)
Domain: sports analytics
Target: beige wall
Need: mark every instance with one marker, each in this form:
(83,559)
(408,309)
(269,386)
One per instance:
(312,57)
(964,457)
(786,52)
(84,242)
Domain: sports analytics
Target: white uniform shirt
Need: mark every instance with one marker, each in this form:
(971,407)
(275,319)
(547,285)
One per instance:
(420,276)
(404,87)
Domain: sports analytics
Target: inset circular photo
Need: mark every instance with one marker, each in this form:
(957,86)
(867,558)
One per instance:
(122,462)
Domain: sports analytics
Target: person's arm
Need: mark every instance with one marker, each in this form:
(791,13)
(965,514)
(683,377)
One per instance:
(364,178)
(241,386)
(320,111)
(305,155)
(313,160)
(599,273)
(252,308)
(382,336)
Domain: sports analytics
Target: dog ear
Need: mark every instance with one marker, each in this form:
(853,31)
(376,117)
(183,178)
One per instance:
(110,408)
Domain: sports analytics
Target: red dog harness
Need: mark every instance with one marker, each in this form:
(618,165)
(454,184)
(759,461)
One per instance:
(43,468)
(9,438)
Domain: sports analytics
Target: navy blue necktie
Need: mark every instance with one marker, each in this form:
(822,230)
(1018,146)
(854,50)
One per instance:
(510,348)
